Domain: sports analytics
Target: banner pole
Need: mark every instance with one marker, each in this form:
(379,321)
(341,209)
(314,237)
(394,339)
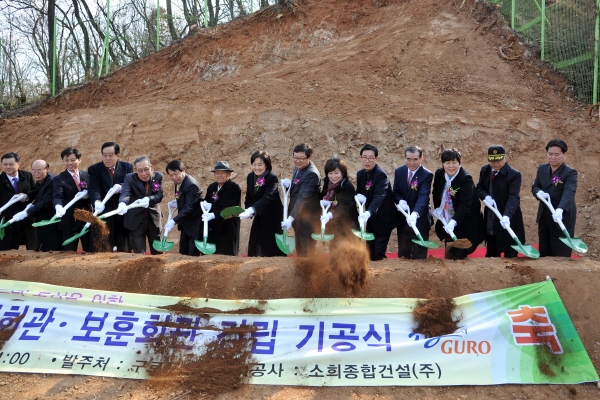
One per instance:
(54,59)
(157,25)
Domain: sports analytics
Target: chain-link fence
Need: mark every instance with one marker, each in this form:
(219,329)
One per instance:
(566,32)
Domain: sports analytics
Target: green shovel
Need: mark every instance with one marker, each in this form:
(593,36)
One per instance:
(285,243)
(203,246)
(526,249)
(86,228)
(420,241)
(56,218)
(323,237)
(231,212)
(574,243)
(163,245)
(360,205)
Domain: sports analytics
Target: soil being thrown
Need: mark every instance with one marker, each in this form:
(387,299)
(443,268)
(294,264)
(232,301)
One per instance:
(98,229)
(435,317)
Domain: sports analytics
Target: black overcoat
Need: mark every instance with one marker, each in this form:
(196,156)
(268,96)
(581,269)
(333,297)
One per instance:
(562,195)
(343,209)
(224,233)
(23,230)
(380,200)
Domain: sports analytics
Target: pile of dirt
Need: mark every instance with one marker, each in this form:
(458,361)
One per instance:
(98,229)
(435,317)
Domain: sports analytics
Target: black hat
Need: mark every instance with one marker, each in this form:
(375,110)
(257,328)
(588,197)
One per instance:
(496,153)
(222,166)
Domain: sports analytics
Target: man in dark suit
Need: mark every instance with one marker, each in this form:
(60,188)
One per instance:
(381,216)
(103,176)
(42,209)
(13,181)
(501,183)
(412,186)
(142,222)
(557,182)
(188,195)
(65,186)
(304,200)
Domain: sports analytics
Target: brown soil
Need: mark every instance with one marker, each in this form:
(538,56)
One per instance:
(337,75)
(434,317)
(98,229)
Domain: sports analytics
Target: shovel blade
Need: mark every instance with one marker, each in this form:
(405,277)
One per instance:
(363,235)
(50,221)
(205,248)
(575,243)
(286,243)
(426,243)
(323,237)
(527,250)
(75,237)
(162,245)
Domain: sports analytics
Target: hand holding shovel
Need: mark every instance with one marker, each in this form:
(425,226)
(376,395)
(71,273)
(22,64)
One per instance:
(360,205)
(405,210)
(458,243)
(203,246)
(526,249)
(163,245)
(574,243)
(60,210)
(285,243)
(325,217)
(98,208)
(15,199)
(17,217)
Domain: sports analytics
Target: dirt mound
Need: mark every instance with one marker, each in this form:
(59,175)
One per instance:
(434,317)
(98,229)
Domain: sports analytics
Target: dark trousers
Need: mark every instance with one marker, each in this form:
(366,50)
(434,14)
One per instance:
(145,230)
(406,247)
(119,235)
(86,241)
(187,247)
(305,244)
(48,238)
(12,237)
(492,249)
(453,253)
(378,246)
(548,234)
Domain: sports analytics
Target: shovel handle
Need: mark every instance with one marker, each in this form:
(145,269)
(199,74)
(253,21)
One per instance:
(495,211)
(286,193)
(13,200)
(553,211)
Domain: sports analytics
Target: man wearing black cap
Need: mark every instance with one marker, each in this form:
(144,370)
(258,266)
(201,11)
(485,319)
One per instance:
(223,193)
(500,183)
(556,182)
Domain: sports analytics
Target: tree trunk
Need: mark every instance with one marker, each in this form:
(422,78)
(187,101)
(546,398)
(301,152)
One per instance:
(87,66)
(172,31)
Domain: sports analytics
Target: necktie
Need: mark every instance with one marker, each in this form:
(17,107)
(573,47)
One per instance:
(410,175)
(76,179)
(494,173)
(15,184)
(146,186)
(112,172)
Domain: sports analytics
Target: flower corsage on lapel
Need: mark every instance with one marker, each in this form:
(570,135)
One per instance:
(83,185)
(296,181)
(414,183)
(177,194)
(556,180)
(155,187)
(369,185)
(260,182)
(215,197)
(451,191)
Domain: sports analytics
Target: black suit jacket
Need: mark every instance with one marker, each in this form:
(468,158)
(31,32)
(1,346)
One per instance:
(42,203)
(189,214)
(133,189)
(7,191)
(268,213)
(304,195)
(380,200)
(343,207)
(506,192)
(101,182)
(224,233)
(417,198)
(467,209)
(64,190)
(562,195)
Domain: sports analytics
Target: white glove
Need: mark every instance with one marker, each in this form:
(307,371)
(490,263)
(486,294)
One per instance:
(247,213)
(327,217)
(117,188)
(403,205)
(23,197)
(542,195)
(505,222)
(325,203)
(173,204)
(208,216)
(364,217)
(20,216)
(169,225)
(286,183)
(411,220)
(490,201)
(449,228)
(558,215)
(122,209)
(361,198)
(287,223)
(60,211)
(98,207)
(85,196)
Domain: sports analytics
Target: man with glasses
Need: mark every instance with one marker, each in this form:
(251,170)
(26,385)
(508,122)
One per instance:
(103,176)
(144,223)
(381,216)
(304,200)
(556,182)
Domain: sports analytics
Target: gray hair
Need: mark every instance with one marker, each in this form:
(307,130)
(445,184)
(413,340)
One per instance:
(142,158)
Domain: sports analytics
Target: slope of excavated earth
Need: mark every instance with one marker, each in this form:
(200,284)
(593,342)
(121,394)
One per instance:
(335,74)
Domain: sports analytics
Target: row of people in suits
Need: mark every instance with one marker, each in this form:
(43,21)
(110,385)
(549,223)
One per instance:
(455,198)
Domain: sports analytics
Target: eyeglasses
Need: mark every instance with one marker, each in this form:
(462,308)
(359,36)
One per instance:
(141,171)
(300,158)
(369,159)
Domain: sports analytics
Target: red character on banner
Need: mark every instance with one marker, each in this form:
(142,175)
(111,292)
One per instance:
(531,326)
